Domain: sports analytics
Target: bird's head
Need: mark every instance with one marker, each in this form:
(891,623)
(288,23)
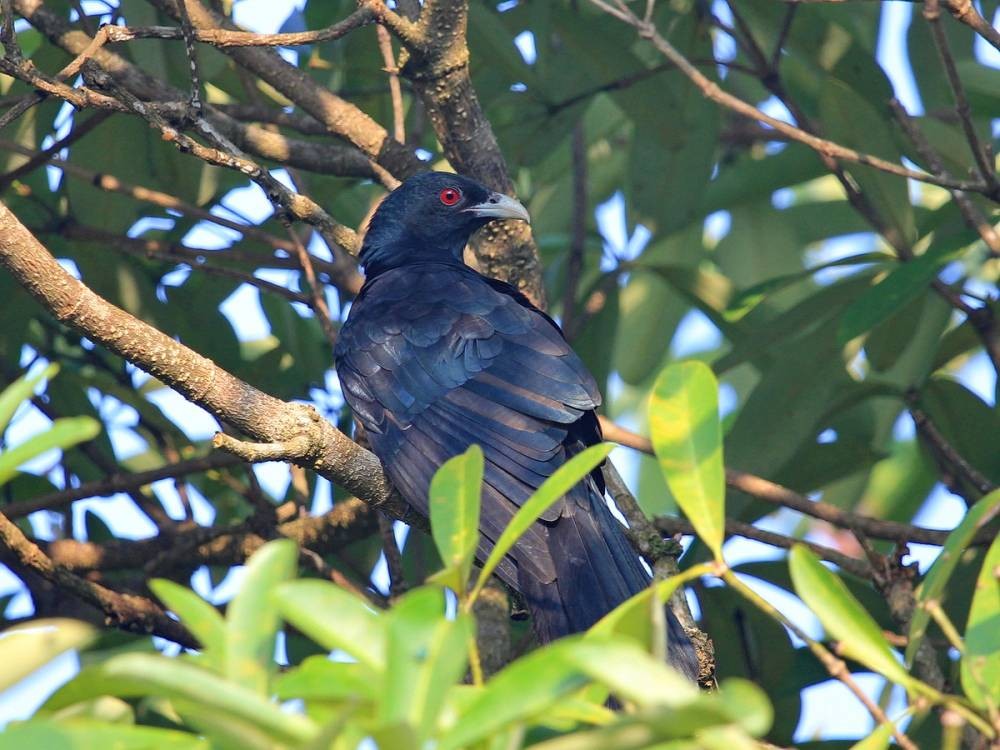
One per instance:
(431,216)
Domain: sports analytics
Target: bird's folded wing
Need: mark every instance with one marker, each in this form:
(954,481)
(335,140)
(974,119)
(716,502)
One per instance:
(439,359)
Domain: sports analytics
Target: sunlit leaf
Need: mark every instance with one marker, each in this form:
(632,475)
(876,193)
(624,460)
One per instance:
(20,391)
(687,437)
(426,656)
(251,621)
(131,675)
(843,617)
(334,618)
(197,615)
(981,660)
(935,583)
(25,648)
(93,735)
(62,433)
(454,510)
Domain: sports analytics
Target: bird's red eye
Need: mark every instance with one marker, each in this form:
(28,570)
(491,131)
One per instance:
(450,196)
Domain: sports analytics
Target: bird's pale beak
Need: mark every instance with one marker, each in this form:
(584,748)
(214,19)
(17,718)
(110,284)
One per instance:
(499,206)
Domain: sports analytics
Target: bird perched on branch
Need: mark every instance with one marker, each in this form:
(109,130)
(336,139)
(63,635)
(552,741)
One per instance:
(435,357)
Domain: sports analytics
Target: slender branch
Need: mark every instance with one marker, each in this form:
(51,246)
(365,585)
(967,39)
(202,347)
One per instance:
(973,216)
(762,489)
(395,92)
(578,230)
(932,13)
(712,91)
(953,460)
(854,566)
(233,38)
(834,665)
(119,483)
(126,611)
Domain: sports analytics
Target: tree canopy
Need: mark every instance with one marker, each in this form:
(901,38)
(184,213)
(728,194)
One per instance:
(767,227)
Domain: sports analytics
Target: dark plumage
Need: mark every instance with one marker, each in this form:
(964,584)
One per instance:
(434,357)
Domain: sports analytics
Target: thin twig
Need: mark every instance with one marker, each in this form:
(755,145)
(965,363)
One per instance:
(834,665)
(932,13)
(136,614)
(316,300)
(712,91)
(192,55)
(395,91)
(578,230)
(762,489)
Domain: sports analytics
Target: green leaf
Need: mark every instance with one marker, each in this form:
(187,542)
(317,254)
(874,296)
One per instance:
(842,616)
(630,672)
(320,678)
(62,433)
(901,286)
(334,618)
(747,704)
(878,739)
(454,508)
(848,118)
(25,648)
(552,490)
(525,688)
(20,391)
(94,735)
(935,583)
(154,675)
(636,618)
(981,660)
(687,437)
(198,616)
(426,656)
(251,622)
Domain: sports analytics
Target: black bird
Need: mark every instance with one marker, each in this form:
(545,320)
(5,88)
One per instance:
(435,357)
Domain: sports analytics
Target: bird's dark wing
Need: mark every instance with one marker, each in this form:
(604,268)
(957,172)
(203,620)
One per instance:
(434,358)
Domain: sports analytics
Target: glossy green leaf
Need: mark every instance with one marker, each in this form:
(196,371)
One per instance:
(334,618)
(93,735)
(904,284)
(630,672)
(842,616)
(131,675)
(20,391)
(197,615)
(62,433)
(251,621)
(935,583)
(850,119)
(426,655)
(552,490)
(318,677)
(981,660)
(525,688)
(687,437)
(454,510)
(636,617)
(747,704)
(25,648)
(877,740)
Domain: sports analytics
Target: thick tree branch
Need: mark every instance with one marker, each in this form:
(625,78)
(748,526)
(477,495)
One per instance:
(327,450)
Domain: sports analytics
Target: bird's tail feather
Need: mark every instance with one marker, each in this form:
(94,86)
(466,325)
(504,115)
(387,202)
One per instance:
(596,570)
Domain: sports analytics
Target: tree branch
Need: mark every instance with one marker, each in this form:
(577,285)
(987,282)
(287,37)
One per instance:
(327,450)
(136,614)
